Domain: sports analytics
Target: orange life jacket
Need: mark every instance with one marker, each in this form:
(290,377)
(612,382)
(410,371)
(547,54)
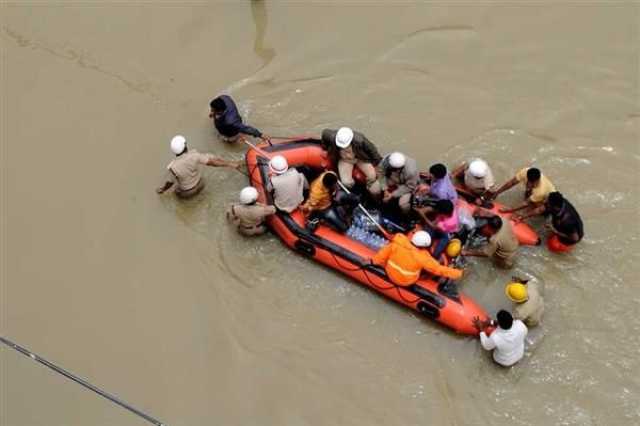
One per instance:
(403,262)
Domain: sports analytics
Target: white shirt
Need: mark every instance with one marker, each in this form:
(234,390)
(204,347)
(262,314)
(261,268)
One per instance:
(508,344)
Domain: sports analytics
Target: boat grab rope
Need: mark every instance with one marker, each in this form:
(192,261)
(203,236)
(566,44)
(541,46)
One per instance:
(371,283)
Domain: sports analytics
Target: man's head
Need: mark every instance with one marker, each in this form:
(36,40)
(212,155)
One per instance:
(494,223)
(278,165)
(330,180)
(421,239)
(217,106)
(397,160)
(478,168)
(533,177)
(178,145)
(444,207)
(438,170)
(248,195)
(344,137)
(555,202)
(505,320)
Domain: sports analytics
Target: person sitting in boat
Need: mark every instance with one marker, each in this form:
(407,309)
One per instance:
(566,225)
(401,179)
(502,244)
(445,223)
(506,341)
(287,184)
(228,121)
(477,179)
(529,304)
(249,215)
(537,189)
(185,171)
(403,259)
(324,203)
(348,149)
(441,187)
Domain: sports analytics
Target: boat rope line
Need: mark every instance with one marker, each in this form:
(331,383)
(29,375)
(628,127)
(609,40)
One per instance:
(374,285)
(80,381)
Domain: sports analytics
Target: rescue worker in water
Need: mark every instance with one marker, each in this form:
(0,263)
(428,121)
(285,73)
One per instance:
(185,171)
(403,260)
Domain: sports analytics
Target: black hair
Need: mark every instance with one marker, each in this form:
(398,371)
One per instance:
(218,104)
(329,180)
(495,222)
(438,170)
(444,207)
(555,199)
(533,174)
(505,320)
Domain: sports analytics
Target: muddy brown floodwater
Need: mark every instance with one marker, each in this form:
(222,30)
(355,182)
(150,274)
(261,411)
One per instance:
(162,303)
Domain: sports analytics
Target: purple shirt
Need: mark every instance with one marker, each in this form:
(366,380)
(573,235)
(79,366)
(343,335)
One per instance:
(443,189)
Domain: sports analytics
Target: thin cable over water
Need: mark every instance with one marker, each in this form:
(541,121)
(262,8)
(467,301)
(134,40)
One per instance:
(80,381)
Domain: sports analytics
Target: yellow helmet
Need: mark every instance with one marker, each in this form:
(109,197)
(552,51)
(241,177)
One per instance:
(454,247)
(517,292)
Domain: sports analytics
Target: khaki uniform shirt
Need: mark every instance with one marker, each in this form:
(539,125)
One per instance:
(247,218)
(530,311)
(540,193)
(186,170)
(479,185)
(288,190)
(504,243)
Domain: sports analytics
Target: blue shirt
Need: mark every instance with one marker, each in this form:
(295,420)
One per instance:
(229,123)
(443,189)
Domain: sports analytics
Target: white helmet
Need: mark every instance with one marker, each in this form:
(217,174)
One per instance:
(248,195)
(178,143)
(478,168)
(397,160)
(344,137)
(421,239)
(278,165)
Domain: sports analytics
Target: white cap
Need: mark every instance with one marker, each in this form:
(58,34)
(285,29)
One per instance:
(344,137)
(278,165)
(478,168)
(397,160)
(178,143)
(248,195)
(421,239)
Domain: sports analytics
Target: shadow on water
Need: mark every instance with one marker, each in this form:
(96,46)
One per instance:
(259,14)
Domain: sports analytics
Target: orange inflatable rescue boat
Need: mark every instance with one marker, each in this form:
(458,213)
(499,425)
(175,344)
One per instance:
(433,297)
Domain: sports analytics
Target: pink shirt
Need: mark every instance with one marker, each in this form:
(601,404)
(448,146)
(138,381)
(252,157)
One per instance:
(448,224)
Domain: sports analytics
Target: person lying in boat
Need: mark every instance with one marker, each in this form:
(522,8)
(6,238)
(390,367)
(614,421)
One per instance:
(476,178)
(403,259)
(228,121)
(185,171)
(249,215)
(349,149)
(400,180)
(325,202)
(536,189)
(443,225)
(287,185)
(502,244)
(566,225)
